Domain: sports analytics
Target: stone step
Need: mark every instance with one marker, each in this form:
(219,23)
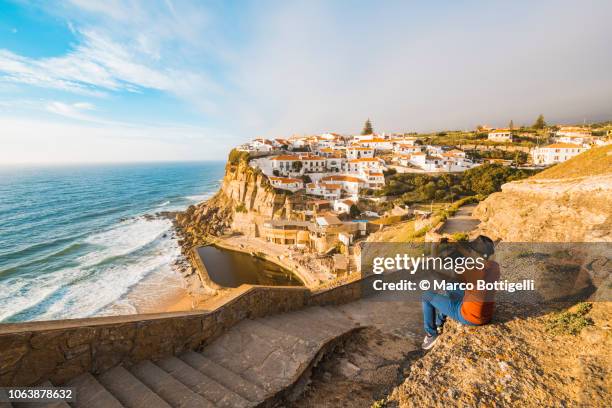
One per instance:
(51,404)
(267,357)
(330,317)
(167,387)
(129,390)
(202,384)
(91,394)
(225,377)
(303,326)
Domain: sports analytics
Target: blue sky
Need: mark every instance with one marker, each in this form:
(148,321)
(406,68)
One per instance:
(96,81)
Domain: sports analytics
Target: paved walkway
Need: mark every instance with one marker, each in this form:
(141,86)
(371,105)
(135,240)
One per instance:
(255,362)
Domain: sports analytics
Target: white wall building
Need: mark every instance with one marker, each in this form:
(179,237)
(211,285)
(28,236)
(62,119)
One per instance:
(365,164)
(350,184)
(555,153)
(377,143)
(374,180)
(500,135)
(284,163)
(406,148)
(329,191)
(286,183)
(343,206)
(357,152)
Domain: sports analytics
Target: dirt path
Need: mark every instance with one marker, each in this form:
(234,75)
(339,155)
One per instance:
(462,221)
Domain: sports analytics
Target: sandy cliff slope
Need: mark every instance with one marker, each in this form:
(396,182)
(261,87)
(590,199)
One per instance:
(569,202)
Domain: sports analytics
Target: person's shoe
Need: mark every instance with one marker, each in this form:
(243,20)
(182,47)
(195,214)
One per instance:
(429,341)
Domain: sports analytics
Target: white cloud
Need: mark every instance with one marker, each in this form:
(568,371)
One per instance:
(73,111)
(300,67)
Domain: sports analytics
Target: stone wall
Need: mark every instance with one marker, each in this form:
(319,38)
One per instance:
(60,350)
(33,352)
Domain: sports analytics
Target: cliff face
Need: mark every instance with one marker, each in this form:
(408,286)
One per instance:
(244,200)
(550,210)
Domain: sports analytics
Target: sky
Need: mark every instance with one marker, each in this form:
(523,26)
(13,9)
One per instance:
(124,81)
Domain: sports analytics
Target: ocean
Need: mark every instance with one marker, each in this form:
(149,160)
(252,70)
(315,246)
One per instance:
(76,241)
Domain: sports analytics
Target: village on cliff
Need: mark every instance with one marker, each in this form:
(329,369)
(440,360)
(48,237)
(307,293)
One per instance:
(343,181)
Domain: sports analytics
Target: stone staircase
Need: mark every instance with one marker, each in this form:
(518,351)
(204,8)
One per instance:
(255,363)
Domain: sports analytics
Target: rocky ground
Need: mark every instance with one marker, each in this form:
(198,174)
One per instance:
(517,361)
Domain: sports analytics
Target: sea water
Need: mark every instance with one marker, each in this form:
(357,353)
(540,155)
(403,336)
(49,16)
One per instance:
(78,241)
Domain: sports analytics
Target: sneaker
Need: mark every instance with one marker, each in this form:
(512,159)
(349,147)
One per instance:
(428,342)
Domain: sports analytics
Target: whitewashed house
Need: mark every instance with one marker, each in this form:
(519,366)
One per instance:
(555,153)
(357,152)
(573,131)
(286,183)
(500,135)
(343,206)
(377,143)
(313,164)
(329,191)
(350,184)
(335,164)
(284,163)
(364,164)
(262,145)
(374,180)
(406,148)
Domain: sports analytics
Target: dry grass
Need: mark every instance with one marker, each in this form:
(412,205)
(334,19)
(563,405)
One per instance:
(593,162)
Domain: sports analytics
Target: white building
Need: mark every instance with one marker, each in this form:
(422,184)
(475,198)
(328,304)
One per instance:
(403,159)
(357,152)
(500,135)
(573,131)
(406,148)
(343,206)
(377,143)
(350,184)
(287,183)
(358,138)
(329,191)
(335,164)
(284,163)
(366,164)
(452,161)
(555,153)
(374,180)
(313,164)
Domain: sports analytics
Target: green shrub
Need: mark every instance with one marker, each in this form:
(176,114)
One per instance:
(236,156)
(459,237)
(241,208)
(569,322)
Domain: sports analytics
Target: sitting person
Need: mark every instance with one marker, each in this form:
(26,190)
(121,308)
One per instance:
(470,307)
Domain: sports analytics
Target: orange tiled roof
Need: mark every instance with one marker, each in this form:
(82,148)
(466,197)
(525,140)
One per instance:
(372,140)
(285,179)
(309,157)
(342,178)
(330,186)
(364,159)
(285,157)
(562,146)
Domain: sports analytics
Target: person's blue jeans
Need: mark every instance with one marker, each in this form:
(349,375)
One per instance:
(437,307)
